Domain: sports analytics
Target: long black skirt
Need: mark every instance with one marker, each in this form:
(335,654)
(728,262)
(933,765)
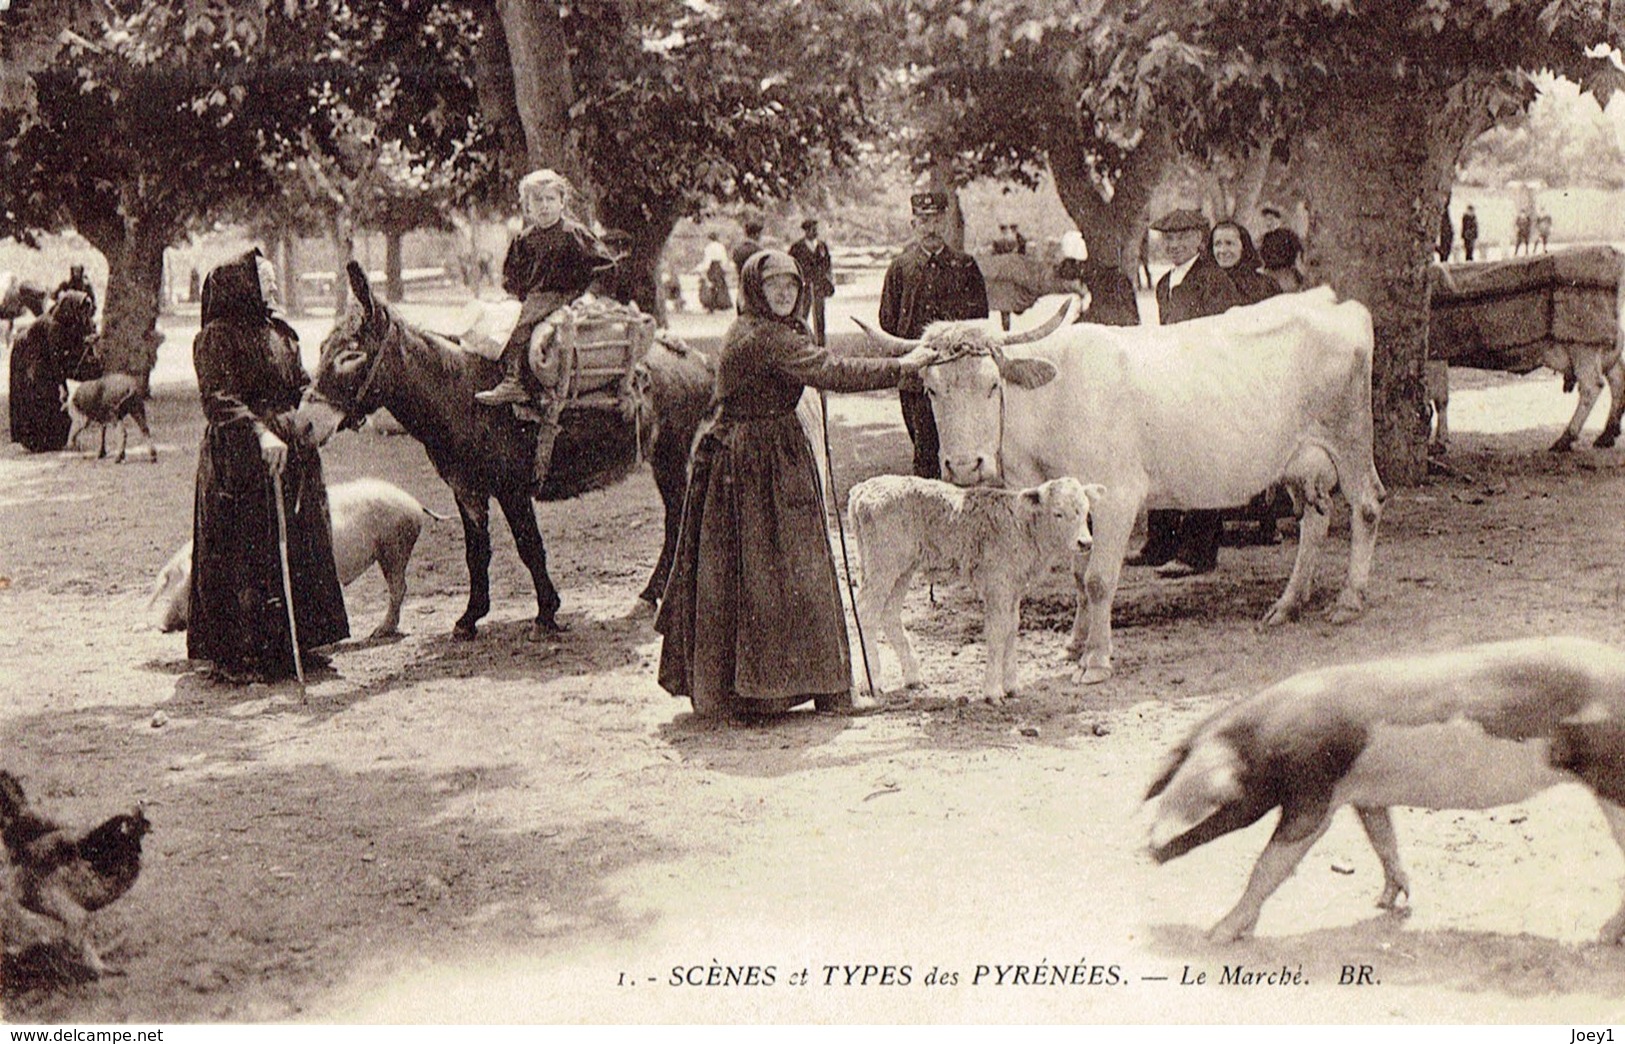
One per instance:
(38,392)
(239,617)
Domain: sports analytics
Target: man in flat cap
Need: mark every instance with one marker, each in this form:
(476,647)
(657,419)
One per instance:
(1196,285)
(1184,543)
(812,256)
(928,282)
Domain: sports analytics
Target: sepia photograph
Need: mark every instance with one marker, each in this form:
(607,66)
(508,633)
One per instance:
(806,512)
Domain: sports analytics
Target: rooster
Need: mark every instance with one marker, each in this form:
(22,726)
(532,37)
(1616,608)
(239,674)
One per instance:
(67,877)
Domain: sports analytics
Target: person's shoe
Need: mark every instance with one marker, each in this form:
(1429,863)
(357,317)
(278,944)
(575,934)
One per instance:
(507,393)
(1176,570)
(1147,559)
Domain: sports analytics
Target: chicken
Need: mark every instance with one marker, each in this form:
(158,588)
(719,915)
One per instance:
(66,877)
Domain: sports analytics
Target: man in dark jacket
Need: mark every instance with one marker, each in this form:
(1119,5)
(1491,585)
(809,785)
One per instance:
(812,255)
(747,246)
(77,280)
(928,282)
(1196,285)
(1183,543)
(1469,231)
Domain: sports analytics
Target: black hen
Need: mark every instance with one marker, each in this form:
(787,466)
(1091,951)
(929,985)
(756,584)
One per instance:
(65,876)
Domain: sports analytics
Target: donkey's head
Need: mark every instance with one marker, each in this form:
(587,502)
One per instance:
(351,352)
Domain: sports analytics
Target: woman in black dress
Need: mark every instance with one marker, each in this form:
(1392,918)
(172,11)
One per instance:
(752,614)
(250,380)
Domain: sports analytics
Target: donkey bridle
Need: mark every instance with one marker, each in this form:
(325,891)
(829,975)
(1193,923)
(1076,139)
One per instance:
(354,414)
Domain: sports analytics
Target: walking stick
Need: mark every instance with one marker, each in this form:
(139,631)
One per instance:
(840,528)
(287,580)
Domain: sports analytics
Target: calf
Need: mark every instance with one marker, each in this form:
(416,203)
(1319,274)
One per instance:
(1476,727)
(373,521)
(998,541)
(114,398)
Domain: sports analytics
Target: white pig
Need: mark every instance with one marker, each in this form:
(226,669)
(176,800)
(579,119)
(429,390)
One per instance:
(373,521)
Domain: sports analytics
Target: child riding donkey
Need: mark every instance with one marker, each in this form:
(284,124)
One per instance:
(550,264)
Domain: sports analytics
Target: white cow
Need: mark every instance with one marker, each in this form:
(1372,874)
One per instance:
(1200,414)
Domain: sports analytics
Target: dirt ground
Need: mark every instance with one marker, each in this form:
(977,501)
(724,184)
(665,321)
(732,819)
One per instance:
(503,831)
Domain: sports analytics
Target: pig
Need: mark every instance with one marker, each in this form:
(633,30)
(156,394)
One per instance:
(1474,727)
(373,521)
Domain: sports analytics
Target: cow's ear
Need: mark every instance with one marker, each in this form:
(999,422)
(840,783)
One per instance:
(1034,495)
(1027,373)
(1094,491)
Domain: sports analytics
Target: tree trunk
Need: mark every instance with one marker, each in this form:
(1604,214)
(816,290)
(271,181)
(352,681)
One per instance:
(539,62)
(493,81)
(292,298)
(134,249)
(941,179)
(1113,229)
(641,265)
(1371,237)
(394,285)
(342,232)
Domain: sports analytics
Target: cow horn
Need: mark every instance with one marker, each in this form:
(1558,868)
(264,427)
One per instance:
(1038,333)
(899,345)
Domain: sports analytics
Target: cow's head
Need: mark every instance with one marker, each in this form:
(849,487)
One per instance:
(966,388)
(1060,512)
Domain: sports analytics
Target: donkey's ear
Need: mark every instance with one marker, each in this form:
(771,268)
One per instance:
(361,289)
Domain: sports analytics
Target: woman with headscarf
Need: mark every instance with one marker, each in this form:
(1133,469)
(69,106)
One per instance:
(752,614)
(250,380)
(1232,250)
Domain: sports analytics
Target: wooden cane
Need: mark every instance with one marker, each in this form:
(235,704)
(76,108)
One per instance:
(287,580)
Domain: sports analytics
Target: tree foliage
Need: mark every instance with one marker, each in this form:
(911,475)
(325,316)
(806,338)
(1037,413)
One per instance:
(142,120)
(1563,140)
(678,106)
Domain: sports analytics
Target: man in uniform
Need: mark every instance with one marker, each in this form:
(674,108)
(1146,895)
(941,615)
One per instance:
(812,255)
(928,282)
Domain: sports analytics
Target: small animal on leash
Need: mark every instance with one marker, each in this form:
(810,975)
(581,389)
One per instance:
(115,398)
(998,541)
(1475,727)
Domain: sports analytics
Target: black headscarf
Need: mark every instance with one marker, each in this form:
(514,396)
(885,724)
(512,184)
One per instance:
(232,291)
(753,299)
(1249,254)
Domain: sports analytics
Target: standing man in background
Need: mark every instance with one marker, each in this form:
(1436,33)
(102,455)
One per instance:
(928,282)
(747,246)
(812,255)
(1469,231)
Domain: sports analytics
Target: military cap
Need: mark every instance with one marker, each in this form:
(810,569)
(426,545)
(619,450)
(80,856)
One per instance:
(929,204)
(1181,220)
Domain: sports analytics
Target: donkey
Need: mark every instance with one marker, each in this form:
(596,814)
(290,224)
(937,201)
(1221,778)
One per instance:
(374,359)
